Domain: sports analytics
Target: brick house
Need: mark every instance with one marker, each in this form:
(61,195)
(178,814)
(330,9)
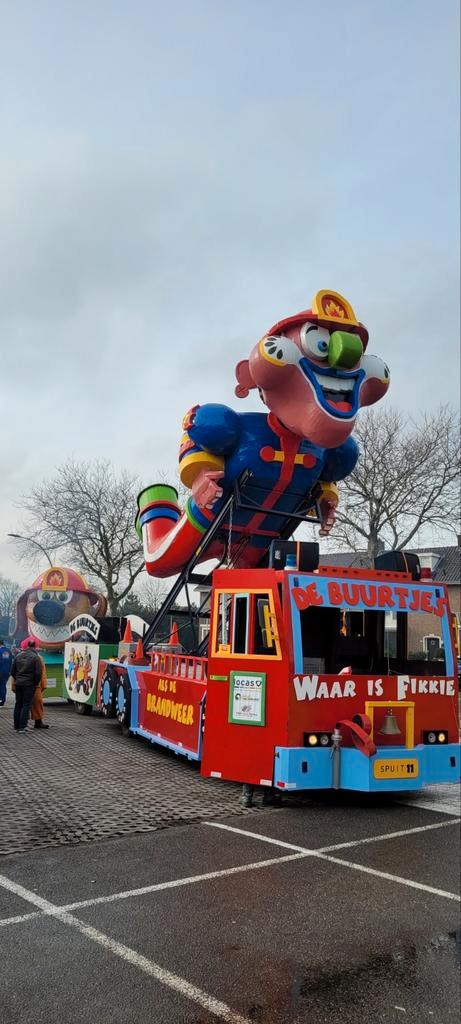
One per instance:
(445,566)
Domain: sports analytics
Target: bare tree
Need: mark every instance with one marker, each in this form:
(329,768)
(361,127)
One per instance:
(146,599)
(152,593)
(9,593)
(85,515)
(163,476)
(407,478)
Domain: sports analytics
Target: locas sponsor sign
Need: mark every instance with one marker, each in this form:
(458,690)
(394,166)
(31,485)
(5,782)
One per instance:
(247,698)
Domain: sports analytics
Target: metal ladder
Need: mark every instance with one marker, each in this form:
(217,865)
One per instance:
(235,500)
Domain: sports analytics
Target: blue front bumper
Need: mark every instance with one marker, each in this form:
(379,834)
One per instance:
(391,769)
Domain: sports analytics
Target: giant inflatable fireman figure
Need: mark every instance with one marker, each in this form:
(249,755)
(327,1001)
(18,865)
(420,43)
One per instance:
(313,374)
(54,599)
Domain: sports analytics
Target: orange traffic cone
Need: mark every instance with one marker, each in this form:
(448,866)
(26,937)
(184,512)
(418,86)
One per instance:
(127,636)
(139,652)
(174,635)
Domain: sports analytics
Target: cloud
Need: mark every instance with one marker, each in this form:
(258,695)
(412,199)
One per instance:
(160,212)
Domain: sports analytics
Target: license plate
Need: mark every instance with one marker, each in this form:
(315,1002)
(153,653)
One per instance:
(396,768)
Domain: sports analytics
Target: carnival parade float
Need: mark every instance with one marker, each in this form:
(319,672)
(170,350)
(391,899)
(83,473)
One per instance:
(293,686)
(57,606)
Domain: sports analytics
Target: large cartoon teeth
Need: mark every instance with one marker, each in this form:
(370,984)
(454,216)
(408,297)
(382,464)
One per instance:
(334,383)
(49,634)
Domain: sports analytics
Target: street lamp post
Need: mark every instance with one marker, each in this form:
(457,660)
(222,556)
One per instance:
(17,536)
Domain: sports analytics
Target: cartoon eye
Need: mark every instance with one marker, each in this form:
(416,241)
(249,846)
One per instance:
(44,595)
(65,596)
(375,368)
(279,349)
(273,347)
(315,340)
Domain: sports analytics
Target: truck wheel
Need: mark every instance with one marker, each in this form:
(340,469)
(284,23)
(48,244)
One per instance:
(108,686)
(82,709)
(123,702)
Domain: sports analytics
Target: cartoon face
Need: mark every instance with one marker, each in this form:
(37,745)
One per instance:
(55,598)
(314,376)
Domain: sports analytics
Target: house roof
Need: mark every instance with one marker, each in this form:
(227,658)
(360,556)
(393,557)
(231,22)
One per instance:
(447,569)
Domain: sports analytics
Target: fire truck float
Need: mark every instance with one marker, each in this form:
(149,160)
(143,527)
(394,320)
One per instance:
(297,684)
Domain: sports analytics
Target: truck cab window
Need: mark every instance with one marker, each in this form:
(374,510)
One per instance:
(246,625)
(263,638)
(240,624)
(333,639)
(370,642)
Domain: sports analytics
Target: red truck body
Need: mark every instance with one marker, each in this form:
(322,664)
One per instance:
(309,683)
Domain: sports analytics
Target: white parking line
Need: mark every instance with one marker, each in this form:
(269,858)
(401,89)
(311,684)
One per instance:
(299,853)
(390,878)
(20,918)
(444,798)
(318,854)
(257,835)
(389,835)
(191,880)
(130,956)
(157,887)
(430,806)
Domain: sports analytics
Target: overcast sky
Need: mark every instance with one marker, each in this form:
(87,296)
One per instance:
(176,177)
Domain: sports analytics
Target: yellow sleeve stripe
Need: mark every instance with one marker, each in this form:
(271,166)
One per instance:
(329,491)
(192,464)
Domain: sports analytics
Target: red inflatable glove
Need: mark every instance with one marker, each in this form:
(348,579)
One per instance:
(328,517)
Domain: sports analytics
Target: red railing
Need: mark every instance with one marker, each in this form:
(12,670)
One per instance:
(179,666)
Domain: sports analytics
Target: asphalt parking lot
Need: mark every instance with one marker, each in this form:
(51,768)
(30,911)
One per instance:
(184,909)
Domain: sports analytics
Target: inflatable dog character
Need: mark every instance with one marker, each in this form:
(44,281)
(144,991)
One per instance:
(313,374)
(54,599)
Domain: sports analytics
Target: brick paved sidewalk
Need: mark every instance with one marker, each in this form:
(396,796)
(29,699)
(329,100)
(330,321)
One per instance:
(82,780)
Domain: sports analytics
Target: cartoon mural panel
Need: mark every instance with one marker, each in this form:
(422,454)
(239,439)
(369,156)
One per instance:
(81,661)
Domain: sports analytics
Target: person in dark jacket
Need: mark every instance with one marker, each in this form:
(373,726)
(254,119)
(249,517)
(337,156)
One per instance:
(27,673)
(5,670)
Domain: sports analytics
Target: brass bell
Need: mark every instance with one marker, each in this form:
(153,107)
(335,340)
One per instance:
(389,726)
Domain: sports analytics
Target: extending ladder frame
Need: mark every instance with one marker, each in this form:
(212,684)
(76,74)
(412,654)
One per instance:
(236,500)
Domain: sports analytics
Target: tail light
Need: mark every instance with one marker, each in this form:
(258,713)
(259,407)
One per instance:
(436,736)
(317,739)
